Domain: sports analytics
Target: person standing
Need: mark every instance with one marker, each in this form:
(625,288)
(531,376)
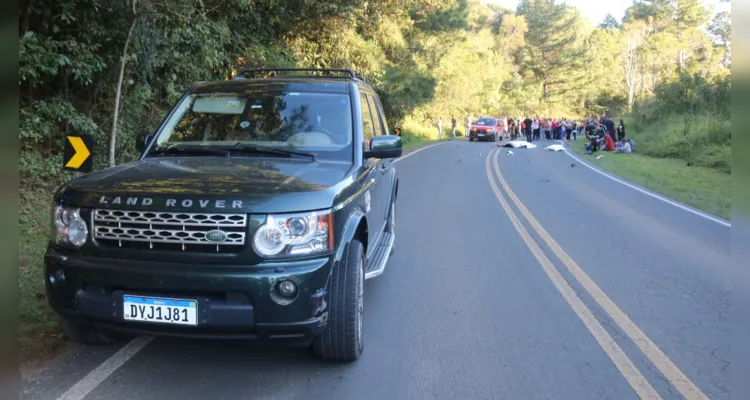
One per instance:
(610,126)
(621,131)
(528,126)
(554,129)
(440,128)
(535,128)
(468,124)
(519,121)
(453,125)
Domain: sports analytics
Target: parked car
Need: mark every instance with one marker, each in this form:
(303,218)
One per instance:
(486,128)
(256,211)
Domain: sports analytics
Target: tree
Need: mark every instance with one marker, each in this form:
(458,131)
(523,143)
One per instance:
(721,29)
(636,35)
(553,55)
(610,22)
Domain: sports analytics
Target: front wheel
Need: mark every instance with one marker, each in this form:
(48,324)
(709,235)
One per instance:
(342,339)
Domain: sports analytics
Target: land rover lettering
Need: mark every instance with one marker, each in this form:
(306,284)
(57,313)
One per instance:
(184,203)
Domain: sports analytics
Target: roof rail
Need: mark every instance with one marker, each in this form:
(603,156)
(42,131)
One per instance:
(317,72)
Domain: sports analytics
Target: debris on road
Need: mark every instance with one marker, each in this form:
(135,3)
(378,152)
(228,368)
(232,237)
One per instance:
(510,152)
(572,165)
(555,147)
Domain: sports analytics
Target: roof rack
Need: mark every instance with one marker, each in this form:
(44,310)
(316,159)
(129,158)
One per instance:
(316,72)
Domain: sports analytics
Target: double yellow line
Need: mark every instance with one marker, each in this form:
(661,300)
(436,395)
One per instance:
(623,363)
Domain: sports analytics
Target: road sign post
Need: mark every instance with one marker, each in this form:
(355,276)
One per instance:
(77,153)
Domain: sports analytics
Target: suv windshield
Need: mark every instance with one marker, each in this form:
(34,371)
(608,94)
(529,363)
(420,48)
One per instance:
(319,123)
(485,122)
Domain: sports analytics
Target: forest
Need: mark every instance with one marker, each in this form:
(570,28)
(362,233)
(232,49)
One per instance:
(113,68)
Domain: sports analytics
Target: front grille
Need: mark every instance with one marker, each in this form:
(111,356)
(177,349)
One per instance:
(169,230)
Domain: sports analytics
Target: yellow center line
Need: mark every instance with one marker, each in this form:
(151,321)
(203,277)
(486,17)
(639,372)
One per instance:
(626,367)
(673,374)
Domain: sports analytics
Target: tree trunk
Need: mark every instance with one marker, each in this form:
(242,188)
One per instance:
(116,112)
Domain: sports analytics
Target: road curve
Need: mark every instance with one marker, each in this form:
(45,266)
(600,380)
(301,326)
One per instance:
(465,308)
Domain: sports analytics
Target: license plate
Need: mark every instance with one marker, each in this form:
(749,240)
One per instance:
(481,134)
(160,310)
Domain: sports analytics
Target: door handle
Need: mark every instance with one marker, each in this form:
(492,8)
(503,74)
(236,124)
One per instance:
(383,167)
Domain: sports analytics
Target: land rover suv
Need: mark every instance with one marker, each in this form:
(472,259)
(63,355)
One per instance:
(256,211)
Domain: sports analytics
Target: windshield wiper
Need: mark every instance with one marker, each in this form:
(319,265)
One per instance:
(272,150)
(192,149)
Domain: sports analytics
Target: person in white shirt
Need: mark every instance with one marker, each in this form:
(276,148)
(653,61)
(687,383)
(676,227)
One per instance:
(623,146)
(535,128)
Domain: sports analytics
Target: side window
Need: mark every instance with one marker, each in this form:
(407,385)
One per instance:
(368,129)
(376,116)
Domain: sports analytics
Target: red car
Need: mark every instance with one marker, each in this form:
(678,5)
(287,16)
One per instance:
(486,128)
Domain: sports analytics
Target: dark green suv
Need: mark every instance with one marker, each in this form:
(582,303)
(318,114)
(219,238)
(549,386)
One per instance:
(257,210)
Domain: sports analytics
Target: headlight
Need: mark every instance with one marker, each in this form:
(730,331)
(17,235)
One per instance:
(294,235)
(68,227)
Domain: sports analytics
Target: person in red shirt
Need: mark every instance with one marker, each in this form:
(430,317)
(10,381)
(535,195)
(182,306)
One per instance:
(609,144)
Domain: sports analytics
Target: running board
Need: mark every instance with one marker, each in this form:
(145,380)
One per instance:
(380,256)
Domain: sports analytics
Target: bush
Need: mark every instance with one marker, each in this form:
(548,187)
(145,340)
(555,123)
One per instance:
(413,134)
(703,139)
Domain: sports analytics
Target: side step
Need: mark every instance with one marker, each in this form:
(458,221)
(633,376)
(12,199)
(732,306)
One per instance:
(379,259)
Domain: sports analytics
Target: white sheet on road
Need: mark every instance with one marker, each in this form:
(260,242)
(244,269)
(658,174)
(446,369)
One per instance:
(519,144)
(555,147)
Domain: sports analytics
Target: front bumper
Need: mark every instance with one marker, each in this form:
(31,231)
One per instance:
(484,135)
(234,301)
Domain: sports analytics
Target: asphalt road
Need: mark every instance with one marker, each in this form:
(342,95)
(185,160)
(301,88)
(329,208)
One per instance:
(587,290)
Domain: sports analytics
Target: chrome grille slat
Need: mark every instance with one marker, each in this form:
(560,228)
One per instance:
(171,218)
(155,227)
(164,235)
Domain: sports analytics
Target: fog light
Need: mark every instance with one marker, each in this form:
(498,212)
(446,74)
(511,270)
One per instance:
(57,278)
(287,288)
(284,292)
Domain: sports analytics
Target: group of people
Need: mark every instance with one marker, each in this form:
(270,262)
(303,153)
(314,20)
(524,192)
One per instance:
(601,133)
(454,122)
(536,128)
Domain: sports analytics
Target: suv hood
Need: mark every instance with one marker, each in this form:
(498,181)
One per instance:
(208,184)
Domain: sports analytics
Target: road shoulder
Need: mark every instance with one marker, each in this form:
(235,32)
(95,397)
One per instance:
(701,188)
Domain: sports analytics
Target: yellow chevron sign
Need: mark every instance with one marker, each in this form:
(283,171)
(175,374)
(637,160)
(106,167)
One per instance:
(77,154)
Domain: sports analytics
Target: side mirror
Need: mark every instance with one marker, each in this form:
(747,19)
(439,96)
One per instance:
(143,140)
(386,146)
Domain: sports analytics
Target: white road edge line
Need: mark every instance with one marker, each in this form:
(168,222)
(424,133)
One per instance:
(649,193)
(418,150)
(104,370)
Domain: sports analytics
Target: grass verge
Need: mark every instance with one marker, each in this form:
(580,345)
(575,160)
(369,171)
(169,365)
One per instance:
(38,331)
(707,189)
(415,136)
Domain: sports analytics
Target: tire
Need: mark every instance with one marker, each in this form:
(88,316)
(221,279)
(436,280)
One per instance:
(342,339)
(85,334)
